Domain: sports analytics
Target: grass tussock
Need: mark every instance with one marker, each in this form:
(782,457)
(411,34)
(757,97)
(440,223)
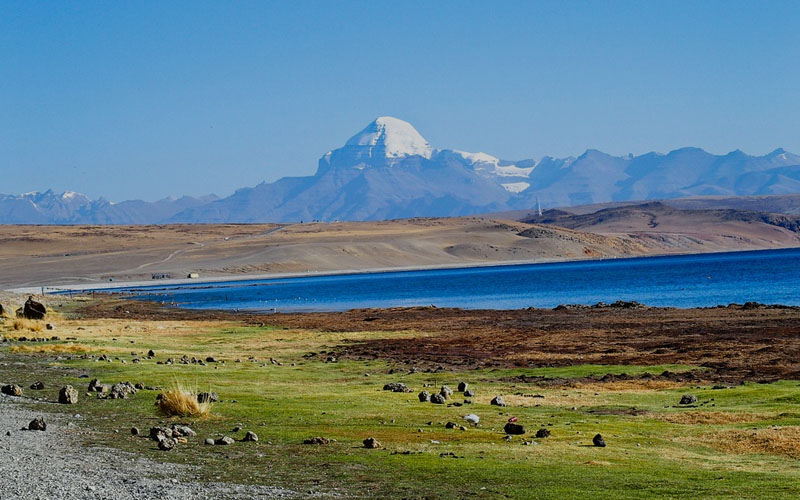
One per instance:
(52,348)
(710,417)
(782,441)
(181,402)
(22,324)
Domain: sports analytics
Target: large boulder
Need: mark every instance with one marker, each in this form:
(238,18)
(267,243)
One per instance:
(688,399)
(68,395)
(33,309)
(462,386)
(437,399)
(424,396)
(446,392)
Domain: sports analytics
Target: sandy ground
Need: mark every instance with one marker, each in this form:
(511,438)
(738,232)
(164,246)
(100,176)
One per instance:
(32,257)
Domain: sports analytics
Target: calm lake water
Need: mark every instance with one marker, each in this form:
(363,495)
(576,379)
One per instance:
(769,276)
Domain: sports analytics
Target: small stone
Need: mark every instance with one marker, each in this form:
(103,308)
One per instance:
(317,440)
(446,392)
(224,440)
(68,395)
(250,437)
(207,397)
(514,429)
(37,424)
(372,443)
(688,399)
(498,401)
(37,386)
(50,326)
(437,399)
(236,429)
(462,386)
(543,433)
(151,353)
(134,431)
(598,441)
(11,390)
(166,444)
(209,442)
(450,425)
(424,397)
(211,359)
(397,387)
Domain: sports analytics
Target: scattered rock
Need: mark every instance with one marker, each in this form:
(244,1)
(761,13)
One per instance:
(182,431)
(446,392)
(372,443)
(599,441)
(68,395)
(224,440)
(122,390)
(11,390)
(396,387)
(450,425)
(50,326)
(151,353)
(211,359)
(317,440)
(514,429)
(33,309)
(437,399)
(543,433)
(688,399)
(158,433)
(469,394)
(498,401)
(166,444)
(462,386)
(250,437)
(207,397)
(37,424)
(424,397)
(37,386)
(209,442)
(134,431)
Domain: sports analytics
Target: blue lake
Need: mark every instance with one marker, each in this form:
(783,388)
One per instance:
(768,276)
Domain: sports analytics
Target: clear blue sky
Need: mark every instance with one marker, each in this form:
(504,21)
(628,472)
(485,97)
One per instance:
(146,99)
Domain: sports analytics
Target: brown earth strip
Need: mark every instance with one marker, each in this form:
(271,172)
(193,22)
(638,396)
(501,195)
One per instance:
(733,343)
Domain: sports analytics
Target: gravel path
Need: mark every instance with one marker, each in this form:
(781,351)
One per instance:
(54,465)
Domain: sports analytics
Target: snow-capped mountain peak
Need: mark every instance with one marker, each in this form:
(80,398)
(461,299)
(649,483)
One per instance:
(391,138)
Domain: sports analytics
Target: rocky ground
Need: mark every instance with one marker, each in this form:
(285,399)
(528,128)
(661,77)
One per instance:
(53,464)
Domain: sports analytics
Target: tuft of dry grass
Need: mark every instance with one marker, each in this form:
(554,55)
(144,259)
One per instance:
(28,324)
(52,348)
(179,401)
(710,417)
(783,441)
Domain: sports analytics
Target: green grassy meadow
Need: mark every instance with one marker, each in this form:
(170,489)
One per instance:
(740,442)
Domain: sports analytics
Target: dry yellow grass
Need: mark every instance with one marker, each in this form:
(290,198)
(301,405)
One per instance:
(52,348)
(629,385)
(28,324)
(710,417)
(783,441)
(178,401)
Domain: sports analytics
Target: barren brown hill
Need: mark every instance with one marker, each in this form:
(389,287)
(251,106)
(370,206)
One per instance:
(33,256)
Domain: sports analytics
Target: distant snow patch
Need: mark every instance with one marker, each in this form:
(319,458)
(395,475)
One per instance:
(516,187)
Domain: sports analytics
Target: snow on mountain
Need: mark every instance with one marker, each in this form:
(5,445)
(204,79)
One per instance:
(388,170)
(391,138)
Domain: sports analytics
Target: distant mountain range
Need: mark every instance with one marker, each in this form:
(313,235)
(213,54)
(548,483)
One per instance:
(388,170)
